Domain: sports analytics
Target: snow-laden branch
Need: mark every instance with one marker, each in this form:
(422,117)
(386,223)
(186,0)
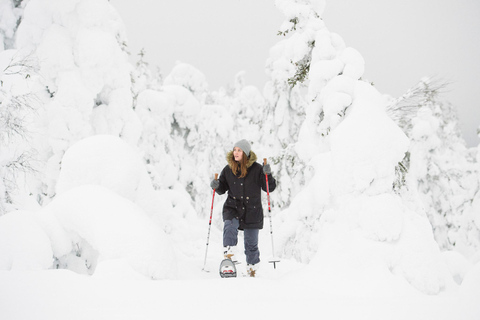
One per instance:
(404,108)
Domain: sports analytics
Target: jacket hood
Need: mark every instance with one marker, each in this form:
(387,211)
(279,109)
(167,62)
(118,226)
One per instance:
(251,159)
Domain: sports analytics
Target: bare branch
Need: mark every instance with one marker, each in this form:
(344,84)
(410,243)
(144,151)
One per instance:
(403,109)
(22,64)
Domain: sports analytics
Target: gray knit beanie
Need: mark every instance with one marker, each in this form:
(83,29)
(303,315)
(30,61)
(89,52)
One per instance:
(244,145)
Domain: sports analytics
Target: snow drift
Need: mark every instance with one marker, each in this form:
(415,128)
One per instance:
(99,214)
(103,226)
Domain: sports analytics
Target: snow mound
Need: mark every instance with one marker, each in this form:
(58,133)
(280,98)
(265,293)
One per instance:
(381,217)
(24,245)
(106,161)
(457,264)
(470,289)
(113,227)
(417,257)
(115,269)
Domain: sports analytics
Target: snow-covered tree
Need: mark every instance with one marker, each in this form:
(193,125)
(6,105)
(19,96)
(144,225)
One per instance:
(189,77)
(85,75)
(245,105)
(10,15)
(302,113)
(143,78)
(438,165)
(184,140)
(284,112)
(348,213)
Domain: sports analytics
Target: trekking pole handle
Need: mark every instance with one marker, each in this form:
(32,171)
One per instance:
(213,197)
(269,214)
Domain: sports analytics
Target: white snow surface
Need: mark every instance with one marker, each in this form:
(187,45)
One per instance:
(117,292)
(23,243)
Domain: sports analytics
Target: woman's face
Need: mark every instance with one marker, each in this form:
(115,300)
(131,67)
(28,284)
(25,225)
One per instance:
(237,154)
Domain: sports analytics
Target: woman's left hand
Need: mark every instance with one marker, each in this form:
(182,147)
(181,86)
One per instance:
(267,169)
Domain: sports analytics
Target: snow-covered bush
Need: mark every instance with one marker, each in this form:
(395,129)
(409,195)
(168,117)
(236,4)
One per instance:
(189,77)
(103,225)
(106,161)
(105,208)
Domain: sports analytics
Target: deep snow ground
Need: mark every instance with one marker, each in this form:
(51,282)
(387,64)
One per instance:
(292,290)
(61,294)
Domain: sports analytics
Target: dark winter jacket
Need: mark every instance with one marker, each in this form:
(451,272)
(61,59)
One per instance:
(244,200)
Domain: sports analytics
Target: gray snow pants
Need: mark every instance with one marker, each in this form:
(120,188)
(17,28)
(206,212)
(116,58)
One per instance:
(230,238)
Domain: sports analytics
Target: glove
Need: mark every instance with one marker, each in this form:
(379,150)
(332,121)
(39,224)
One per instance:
(267,169)
(215,184)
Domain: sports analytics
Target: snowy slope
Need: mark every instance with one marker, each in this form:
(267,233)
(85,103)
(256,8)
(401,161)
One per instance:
(117,292)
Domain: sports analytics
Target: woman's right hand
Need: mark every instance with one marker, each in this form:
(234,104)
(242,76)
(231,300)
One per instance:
(215,184)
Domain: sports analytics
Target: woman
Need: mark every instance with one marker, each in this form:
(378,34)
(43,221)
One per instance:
(244,179)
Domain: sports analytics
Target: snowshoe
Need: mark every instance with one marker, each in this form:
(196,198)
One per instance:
(228,269)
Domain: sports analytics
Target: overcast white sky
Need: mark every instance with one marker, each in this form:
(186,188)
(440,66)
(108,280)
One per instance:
(401,41)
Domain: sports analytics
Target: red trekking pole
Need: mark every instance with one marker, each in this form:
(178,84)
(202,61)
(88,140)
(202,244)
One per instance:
(209,226)
(273,260)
